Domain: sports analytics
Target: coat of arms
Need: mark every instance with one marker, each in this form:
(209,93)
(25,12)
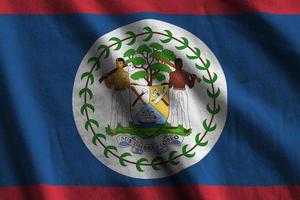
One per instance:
(151,100)
(153,95)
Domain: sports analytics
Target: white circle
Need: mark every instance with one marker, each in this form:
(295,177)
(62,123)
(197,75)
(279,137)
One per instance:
(197,98)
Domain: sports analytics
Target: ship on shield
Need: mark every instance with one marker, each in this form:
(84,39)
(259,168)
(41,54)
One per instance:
(149,107)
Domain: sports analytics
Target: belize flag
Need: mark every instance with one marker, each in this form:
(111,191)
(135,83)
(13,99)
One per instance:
(149,99)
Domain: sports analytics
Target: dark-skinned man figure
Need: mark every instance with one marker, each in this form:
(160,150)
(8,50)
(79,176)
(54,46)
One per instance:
(179,111)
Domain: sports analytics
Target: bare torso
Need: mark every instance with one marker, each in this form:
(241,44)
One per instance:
(180,78)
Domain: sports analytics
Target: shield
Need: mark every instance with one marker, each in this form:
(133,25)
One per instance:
(149,106)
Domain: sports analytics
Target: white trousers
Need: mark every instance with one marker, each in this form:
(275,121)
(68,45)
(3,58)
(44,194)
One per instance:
(120,110)
(179,109)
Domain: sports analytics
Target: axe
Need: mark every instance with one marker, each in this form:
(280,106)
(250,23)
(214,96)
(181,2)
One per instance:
(160,97)
(139,96)
(105,76)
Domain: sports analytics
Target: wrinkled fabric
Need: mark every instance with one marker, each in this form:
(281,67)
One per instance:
(43,157)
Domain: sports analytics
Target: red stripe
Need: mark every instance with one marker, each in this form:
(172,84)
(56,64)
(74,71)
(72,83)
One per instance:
(47,192)
(158,6)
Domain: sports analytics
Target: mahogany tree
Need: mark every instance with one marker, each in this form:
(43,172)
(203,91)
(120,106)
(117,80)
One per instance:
(150,60)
